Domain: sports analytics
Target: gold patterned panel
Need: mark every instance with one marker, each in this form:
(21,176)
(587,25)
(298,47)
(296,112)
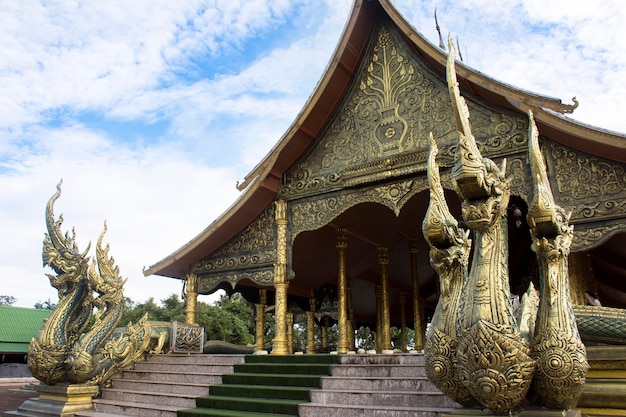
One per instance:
(590,187)
(208,283)
(311,214)
(381,129)
(252,248)
(586,238)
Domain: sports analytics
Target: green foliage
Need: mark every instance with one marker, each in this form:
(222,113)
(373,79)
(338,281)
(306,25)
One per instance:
(45,305)
(231,319)
(7,300)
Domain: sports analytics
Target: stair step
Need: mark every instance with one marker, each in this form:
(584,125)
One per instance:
(153,397)
(348,410)
(270,405)
(206,412)
(261,391)
(382,398)
(379,371)
(129,408)
(398,359)
(197,359)
(283,368)
(377,384)
(160,386)
(175,377)
(291,359)
(312,381)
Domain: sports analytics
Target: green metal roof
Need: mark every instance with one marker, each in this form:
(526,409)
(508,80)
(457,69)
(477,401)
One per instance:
(17,326)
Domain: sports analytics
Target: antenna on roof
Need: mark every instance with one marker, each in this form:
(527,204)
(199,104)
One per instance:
(458,47)
(441,44)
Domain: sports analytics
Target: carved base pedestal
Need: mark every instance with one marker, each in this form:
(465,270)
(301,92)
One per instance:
(63,400)
(529,412)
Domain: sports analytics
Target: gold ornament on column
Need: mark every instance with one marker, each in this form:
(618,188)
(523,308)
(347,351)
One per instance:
(557,349)
(310,325)
(342,287)
(260,321)
(402,322)
(449,256)
(191,299)
(280,342)
(417,308)
(494,361)
(383,261)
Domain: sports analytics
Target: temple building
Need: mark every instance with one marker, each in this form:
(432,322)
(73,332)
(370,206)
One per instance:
(331,219)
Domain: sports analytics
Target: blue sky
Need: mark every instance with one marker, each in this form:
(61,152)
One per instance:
(151,111)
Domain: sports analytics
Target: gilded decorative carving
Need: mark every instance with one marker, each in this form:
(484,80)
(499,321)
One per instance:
(493,360)
(252,248)
(207,283)
(187,338)
(584,177)
(585,239)
(66,348)
(517,178)
(449,256)
(313,214)
(560,357)
(381,129)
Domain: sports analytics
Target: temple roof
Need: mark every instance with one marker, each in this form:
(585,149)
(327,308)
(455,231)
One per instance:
(260,186)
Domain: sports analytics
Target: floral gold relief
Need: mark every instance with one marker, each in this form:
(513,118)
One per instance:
(556,347)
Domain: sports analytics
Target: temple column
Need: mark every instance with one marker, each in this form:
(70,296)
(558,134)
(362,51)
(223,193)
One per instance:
(310,325)
(290,331)
(191,299)
(379,321)
(343,344)
(280,343)
(417,308)
(402,323)
(260,321)
(383,261)
(325,333)
(351,324)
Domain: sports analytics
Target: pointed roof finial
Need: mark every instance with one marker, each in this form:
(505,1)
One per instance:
(441,44)
(458,47)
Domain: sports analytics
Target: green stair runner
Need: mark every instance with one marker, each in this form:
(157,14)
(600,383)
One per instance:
(264,386)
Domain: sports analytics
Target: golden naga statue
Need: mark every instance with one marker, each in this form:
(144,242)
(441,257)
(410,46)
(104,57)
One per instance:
(485,359)
(75,345)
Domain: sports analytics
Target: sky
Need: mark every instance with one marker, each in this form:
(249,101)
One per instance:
(150,111)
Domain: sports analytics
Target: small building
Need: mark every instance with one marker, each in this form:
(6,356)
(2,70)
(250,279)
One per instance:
(18,326)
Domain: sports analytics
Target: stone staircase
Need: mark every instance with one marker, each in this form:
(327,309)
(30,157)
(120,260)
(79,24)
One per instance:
(296,385)
(377,386)
(162,385)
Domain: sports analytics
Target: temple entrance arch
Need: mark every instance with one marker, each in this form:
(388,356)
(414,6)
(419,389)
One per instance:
(370,226)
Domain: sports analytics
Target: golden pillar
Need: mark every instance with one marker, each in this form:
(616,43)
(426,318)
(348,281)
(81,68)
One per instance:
(191,298)
(379,321)
(280,344)
(260,321)
(325,333)
(351,324)
(290,331)
(310,326)
(402,323)
(383,261)
(343,344)
(417,308)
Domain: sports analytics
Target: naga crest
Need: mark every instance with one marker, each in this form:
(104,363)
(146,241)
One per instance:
(75,343)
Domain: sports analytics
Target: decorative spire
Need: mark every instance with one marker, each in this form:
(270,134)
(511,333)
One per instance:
(441,44)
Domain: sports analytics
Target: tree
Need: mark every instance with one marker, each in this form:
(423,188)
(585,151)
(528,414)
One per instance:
(7,300)
(45,305)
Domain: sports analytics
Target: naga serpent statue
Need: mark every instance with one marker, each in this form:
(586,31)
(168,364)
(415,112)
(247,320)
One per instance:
(74,344)
(475,352)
